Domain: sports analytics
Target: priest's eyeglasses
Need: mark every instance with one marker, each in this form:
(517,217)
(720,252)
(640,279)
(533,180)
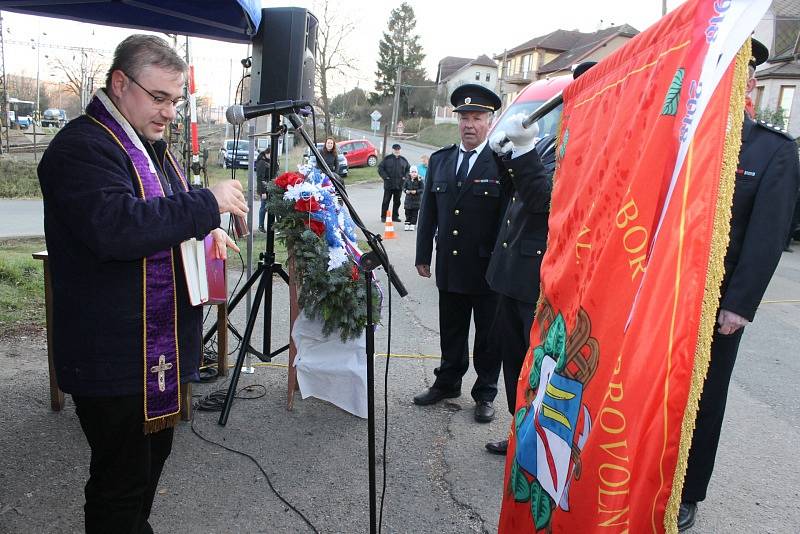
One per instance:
(160,101)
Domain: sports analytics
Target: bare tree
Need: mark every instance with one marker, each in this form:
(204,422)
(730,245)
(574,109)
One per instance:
(331,56)
(82,76)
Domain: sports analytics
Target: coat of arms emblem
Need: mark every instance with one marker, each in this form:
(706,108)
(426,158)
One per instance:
(554,424)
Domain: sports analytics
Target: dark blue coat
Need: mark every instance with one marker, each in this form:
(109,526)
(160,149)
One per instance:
(522,240)
(463,220)
(767,180)
(97,232)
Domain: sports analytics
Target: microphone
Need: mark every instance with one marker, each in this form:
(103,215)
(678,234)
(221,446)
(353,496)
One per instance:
(238,114)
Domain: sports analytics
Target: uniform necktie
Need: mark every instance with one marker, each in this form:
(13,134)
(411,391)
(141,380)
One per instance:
(463,169)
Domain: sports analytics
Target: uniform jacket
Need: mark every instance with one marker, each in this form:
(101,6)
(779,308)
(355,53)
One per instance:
(97,232)
(393,169)
(767,180)
(522,239)
(413,201)
(462,220)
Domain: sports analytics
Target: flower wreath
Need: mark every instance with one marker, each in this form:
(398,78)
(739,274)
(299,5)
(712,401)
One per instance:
(320,238)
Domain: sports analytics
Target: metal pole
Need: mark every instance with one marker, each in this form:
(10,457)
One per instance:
(3,84)
(36,113)
(663,7)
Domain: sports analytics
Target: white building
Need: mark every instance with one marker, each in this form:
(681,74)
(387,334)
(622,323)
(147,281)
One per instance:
(454,72)
(778,78)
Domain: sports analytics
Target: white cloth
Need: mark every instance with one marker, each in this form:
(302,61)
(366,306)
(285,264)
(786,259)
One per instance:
(329,369)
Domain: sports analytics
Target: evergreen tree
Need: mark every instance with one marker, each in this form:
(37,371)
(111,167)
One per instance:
(399,47)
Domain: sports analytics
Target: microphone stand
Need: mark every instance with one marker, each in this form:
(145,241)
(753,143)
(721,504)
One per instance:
(369,261)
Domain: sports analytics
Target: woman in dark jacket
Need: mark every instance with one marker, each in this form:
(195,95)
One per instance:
(330,154)
(412,187)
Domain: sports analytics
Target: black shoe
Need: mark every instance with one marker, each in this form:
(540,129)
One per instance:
(484,411)
(498,447)
(262,230)
(396,220)
(686,514)
(434,395)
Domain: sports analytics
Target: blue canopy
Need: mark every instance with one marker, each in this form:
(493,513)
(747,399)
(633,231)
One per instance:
(226,20)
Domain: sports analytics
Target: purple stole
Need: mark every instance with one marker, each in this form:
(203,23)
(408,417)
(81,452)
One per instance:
(161,362)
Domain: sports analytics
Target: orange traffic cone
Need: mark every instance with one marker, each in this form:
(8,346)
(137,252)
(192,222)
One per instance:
(388,230)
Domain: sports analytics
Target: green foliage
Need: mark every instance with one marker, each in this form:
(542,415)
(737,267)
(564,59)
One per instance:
(520,484)
(541,505)
(670,106)
(536,370)
(772,116)
(21,285)
(336,297)
(399,47)
(18,179)
(519,417)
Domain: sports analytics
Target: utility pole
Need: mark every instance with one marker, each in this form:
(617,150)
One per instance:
(3,86)
(663,7)
(396,106)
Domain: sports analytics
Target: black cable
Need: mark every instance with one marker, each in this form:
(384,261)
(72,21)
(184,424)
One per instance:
(263,471)
(386,396)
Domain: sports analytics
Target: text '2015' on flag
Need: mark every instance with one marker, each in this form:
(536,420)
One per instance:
(638,230)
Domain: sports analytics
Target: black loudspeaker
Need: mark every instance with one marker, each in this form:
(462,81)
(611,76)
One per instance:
(284,56)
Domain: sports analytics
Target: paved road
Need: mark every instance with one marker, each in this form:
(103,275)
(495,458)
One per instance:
(21,218)
(439,478)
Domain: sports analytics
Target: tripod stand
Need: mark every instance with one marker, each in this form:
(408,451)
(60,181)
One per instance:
(267,266)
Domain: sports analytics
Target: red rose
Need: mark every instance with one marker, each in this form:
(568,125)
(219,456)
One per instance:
(318,227)
(354,273)
(289,178)
(307,206)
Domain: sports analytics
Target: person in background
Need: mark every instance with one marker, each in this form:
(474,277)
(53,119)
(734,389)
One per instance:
(422,168)
(393,169)
(330,154)
(125,336)
(767,181)
(413,190)
(263,176)
(461,209)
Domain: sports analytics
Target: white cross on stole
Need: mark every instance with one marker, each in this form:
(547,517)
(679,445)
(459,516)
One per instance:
(160,369)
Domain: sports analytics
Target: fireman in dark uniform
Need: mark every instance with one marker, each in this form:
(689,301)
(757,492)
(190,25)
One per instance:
(767,180)
(461,209)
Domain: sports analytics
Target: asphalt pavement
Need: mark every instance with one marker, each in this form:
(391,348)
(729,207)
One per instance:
(439,478)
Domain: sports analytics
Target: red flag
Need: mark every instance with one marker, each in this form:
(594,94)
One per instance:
(638,230)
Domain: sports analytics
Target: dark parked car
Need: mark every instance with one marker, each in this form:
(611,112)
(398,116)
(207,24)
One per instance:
(227,158)
(54,117)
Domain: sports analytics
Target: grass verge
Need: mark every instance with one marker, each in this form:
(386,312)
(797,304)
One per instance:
(21,286)
(439,135)
(18,179)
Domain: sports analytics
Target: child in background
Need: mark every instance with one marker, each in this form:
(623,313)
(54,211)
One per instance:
(423,169)
(413,190)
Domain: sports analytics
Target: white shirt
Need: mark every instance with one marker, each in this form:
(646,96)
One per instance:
(473,158)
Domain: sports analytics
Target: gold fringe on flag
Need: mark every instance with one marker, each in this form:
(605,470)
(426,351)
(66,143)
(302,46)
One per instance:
(714,275)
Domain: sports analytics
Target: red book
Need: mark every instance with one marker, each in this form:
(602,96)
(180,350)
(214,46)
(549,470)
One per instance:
(205,273)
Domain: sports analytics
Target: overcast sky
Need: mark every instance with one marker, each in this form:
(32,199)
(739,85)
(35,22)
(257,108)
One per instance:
(466,29)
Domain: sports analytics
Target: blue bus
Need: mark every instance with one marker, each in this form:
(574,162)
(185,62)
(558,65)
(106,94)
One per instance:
(20,113)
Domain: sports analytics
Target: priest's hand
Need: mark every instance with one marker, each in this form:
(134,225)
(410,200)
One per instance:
(730,322)
(222,242)
(424,270)
(230,197)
